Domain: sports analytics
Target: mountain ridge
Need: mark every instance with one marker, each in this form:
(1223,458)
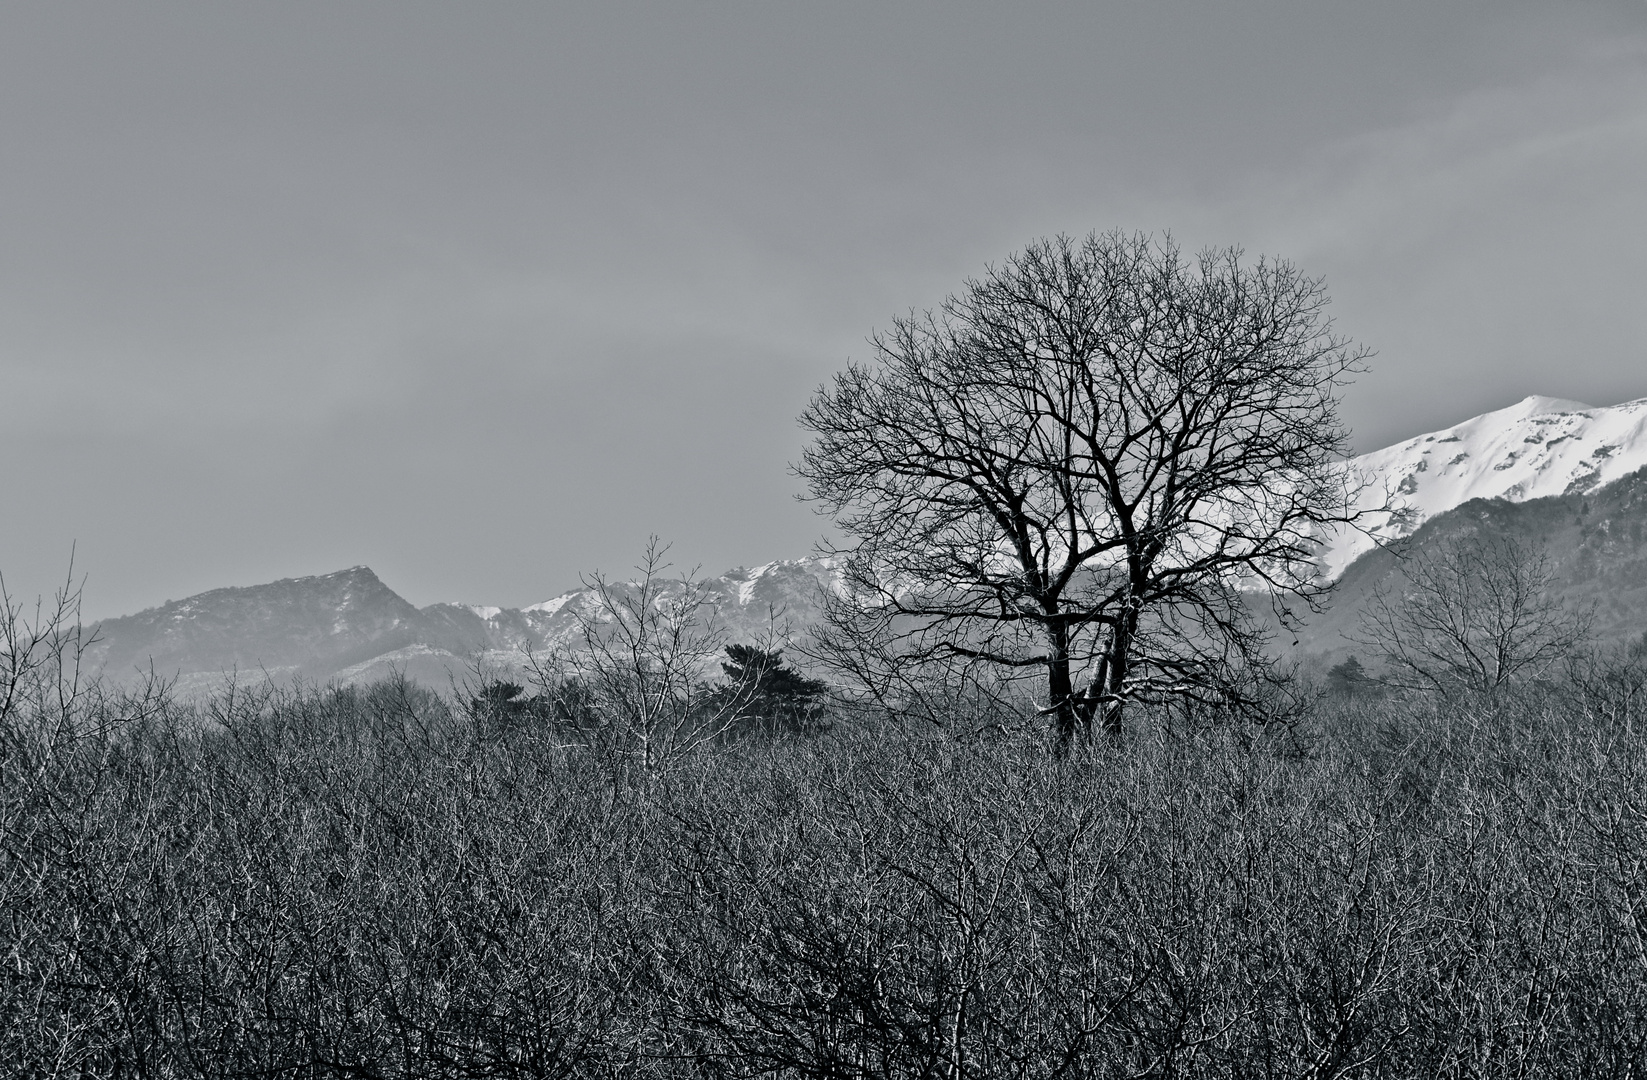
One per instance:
(1535,448)
(350,626)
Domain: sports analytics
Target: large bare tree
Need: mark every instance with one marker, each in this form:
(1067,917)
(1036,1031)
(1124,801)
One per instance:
(1072,465)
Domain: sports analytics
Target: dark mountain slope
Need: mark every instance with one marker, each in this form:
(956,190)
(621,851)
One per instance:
(1596,543)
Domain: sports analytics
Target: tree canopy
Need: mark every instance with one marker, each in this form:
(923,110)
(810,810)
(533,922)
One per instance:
(1072,464)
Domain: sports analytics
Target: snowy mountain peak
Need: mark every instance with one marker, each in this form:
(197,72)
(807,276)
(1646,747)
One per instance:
(1534,405)
(1539,446)
(548,607)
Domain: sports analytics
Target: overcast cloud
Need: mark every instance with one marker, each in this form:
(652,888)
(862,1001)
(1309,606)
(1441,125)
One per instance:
(480,295)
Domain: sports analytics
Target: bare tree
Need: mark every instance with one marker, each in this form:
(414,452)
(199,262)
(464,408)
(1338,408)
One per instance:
(40,655)
(646,648)
(1069,467)
(48,700)
(1474,614)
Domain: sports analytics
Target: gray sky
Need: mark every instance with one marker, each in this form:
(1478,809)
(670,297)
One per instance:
(481,294)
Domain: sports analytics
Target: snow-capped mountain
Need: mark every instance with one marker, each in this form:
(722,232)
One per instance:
(1538,447)
(349,626)
(772,602)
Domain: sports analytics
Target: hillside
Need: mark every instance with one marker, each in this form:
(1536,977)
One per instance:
(776,599)
(1596,542)
(307,626)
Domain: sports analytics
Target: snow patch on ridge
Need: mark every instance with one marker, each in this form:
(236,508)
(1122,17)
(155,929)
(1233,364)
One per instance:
(549,607)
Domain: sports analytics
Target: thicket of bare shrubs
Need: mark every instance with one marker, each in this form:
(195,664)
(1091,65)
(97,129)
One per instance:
(380,882)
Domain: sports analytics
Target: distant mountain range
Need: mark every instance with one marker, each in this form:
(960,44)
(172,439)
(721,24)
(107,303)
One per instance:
(1544,469)
(350,627)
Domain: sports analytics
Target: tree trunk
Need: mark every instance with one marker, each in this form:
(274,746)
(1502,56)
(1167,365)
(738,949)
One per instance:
(1061,693)
(1073,709)
(1113,673)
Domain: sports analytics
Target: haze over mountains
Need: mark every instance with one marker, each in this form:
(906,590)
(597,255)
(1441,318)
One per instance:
(1544,469)
(350,627)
